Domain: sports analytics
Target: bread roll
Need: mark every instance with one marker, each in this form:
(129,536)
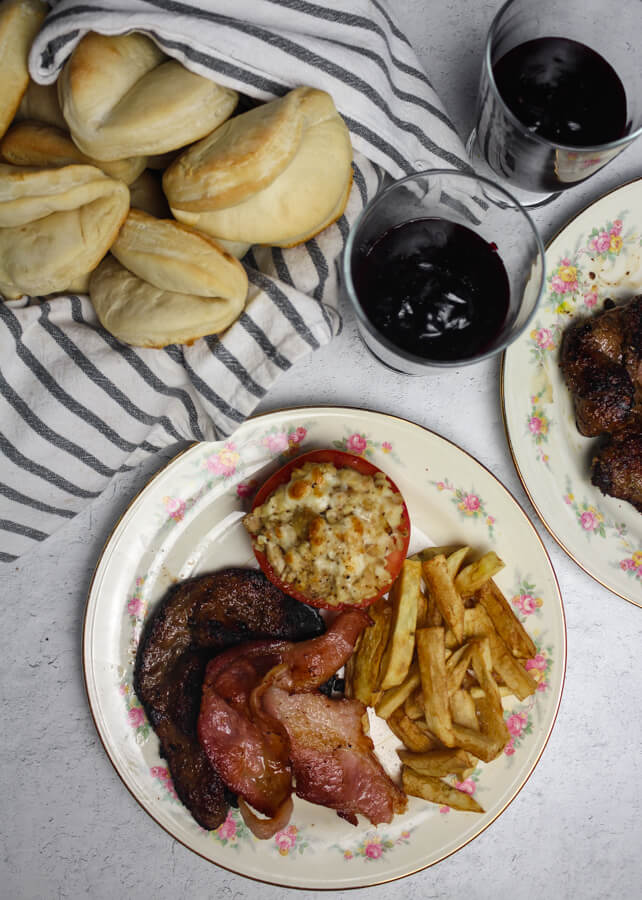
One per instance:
(19,23)
(121,96)
(277,174)
(38,144)
(55,225)
(165,284)
(40,104)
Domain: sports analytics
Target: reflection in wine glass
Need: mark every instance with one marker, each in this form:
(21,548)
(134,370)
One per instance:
(560,93)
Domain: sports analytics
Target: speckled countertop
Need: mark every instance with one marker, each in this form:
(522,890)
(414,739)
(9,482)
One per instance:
(69,827)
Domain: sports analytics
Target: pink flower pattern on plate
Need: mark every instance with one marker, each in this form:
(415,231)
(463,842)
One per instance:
(286,840)
(162,774)
(356,443)
(227,829)
(175,508)
(225,461)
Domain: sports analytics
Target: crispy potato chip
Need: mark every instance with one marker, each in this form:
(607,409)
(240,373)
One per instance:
(434,683)
(441,589)
(437,791)
(404,595)
(396,696)
(437,762)
(506,623)
(473,576)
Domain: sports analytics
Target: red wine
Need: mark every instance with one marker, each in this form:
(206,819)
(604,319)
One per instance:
(563,91)
(434,289)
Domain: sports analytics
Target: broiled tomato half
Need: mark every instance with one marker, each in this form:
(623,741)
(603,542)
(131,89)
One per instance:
(340,459)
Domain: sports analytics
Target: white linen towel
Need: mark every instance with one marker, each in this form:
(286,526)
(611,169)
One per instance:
(76,405)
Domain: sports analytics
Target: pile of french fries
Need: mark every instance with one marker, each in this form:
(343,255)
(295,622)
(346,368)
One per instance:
(444,648)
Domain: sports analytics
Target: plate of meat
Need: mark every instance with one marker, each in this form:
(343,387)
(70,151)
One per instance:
(223,703)
(572,393)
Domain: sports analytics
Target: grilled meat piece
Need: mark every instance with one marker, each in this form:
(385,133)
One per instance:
(604,400)
(617,467)
(196,619)
(601,359)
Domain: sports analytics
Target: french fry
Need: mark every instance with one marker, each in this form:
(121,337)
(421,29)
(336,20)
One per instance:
(396,696)
(401,642)
(437,791)
(410,734)
(422,611)
(506,623)
(430,552)
(477,623)
(441,589)
(475,742)
(364,674)
(462,709)
(473,576)
(437,762)
(492,725)
(457,665)
(434,683)
(454,560)
(504,691)
(434,618)
(444,703)
(414,706)
(489,706)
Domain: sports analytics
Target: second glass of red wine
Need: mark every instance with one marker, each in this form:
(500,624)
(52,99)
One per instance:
(442,269)
(560,93)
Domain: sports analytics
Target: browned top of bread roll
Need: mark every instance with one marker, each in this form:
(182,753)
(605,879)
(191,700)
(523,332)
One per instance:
(121,96)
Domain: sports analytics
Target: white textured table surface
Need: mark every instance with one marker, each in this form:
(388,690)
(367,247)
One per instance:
(69,827)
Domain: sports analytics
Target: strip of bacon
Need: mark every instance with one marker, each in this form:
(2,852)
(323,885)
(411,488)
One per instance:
(251,759)
(262,720)
(332,759)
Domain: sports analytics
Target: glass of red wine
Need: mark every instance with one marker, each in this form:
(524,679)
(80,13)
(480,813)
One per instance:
(560,93)
(441,271)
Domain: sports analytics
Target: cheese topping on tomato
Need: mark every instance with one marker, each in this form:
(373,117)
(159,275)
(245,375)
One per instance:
(328,531)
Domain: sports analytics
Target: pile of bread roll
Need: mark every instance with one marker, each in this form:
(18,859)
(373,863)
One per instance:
(132,178)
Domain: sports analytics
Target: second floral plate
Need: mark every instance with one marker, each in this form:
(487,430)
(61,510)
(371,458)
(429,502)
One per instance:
(187,521)
(598,255)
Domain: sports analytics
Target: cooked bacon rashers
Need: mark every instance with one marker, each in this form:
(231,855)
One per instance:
(263,722)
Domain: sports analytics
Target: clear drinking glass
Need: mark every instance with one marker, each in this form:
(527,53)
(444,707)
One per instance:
(456,199)
(535,168)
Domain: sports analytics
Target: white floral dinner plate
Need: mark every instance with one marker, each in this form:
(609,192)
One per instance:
(187,521)
(597,255)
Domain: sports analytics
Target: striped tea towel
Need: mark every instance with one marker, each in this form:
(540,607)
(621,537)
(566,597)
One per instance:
(76,405)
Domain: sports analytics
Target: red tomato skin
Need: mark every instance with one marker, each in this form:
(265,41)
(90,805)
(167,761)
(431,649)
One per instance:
(341,459)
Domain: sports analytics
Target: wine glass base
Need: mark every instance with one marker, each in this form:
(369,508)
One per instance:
(529,199)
